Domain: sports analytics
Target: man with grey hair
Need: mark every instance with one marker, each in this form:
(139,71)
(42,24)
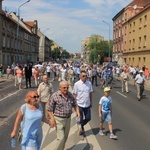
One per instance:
(59,109)
(45,90)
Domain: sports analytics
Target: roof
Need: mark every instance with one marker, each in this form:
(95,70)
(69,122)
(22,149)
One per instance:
(139,2)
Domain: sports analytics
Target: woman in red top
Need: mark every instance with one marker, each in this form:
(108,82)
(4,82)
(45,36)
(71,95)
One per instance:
(19,74)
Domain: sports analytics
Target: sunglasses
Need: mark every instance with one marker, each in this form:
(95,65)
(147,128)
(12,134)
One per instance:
(84,76)
(35,96)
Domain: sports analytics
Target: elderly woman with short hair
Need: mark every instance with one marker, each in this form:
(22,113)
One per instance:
(31,125)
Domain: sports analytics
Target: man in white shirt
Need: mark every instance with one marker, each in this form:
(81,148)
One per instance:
(139,80)
(82,92)
(48,70)
(125,78)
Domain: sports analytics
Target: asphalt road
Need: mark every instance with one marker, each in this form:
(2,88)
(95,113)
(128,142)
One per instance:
(131,121)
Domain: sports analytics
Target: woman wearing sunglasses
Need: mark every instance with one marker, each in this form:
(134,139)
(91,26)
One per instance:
(31,115)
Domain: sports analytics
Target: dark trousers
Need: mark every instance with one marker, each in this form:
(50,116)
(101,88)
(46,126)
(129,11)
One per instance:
(85,116)
(28,79)
(48,74)
(94,78)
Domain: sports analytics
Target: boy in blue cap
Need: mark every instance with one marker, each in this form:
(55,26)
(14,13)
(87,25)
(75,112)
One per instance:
(105,112)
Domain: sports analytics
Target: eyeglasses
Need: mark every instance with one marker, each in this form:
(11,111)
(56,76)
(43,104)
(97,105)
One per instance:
(66,87)
(35,96)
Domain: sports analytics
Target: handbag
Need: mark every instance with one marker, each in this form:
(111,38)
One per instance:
(19,134)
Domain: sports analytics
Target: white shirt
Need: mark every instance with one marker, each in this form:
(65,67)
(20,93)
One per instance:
(48,69)
(82,91)
(139,79)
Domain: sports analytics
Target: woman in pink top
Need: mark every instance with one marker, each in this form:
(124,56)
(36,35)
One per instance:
(146,73)
(19,74)
(36,76)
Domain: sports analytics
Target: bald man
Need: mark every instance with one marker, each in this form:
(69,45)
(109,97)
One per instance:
(45,90)
(60,109)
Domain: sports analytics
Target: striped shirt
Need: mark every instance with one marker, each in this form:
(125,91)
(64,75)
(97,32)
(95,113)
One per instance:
(60,106)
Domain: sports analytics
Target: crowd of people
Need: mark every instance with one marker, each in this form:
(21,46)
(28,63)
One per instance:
(56,106)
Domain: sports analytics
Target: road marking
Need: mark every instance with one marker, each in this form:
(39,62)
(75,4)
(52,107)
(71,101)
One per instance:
(10,95)
(121,94)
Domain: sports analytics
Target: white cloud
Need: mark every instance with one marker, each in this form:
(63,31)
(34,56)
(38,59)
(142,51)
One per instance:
(68,25)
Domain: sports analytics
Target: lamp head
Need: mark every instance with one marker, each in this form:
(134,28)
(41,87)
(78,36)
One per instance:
(28,1)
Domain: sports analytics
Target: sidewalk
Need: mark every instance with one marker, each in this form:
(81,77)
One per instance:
(4,78)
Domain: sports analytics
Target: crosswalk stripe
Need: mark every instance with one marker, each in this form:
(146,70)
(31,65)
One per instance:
(91,138)
(51,145)
(46,130)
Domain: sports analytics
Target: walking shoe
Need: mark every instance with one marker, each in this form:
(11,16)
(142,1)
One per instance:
(101,133)
(81,137)
(112,136)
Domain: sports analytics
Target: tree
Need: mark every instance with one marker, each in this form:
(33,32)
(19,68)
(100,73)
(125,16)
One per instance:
(65,55)
(51,44)
(56,53)
(98,49)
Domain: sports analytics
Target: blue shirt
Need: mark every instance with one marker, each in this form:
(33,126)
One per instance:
(32,127)
(106,103)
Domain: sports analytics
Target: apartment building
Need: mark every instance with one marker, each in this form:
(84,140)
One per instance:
(131,27)
(22,46)
(44,47)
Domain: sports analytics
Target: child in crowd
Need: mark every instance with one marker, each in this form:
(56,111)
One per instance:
(105,112)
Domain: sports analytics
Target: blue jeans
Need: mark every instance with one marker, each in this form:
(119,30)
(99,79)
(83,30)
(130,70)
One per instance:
(87,116)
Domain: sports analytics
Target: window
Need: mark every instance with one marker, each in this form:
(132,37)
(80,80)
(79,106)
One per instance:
(139,60)
(129,44)
(133,44)
(8,42)
(4,41)
(130,28)
(139,42)
(133,26)
(144,60)
(133,60)
(125,30)
(145,20)
(144,44)
(140,23)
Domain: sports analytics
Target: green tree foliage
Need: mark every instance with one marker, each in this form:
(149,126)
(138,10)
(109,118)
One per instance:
(98,48)
(65,55)
(56,53)
(51,44)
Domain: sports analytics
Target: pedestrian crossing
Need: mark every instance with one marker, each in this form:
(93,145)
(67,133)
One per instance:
(73,142)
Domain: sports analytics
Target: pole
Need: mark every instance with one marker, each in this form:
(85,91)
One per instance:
(109,41)
(18,28)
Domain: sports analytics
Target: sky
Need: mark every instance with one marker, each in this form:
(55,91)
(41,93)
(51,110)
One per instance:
(69,22)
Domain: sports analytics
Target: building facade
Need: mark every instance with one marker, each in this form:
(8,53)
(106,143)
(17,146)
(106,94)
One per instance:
(44,47)
(131,27)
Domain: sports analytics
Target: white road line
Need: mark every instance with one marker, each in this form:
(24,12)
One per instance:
(121,94)
(46,130)
(10,95)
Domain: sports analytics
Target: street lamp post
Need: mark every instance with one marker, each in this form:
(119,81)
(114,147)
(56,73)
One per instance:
(45,30)
(18,26)
(109,40)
